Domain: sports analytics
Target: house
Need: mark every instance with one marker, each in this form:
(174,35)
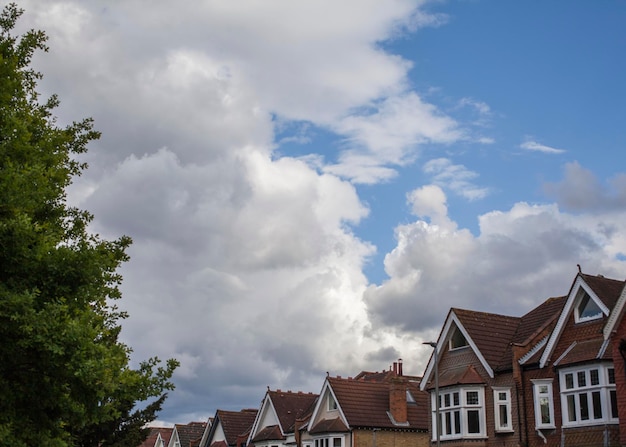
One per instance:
(553,377)
(281,412)
(371,410)
(158,437)
(187,435)
(230,428)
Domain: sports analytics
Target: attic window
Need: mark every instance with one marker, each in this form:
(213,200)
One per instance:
(332,403)
(457,340)
(587,309)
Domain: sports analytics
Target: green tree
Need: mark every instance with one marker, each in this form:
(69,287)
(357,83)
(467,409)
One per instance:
(65,378)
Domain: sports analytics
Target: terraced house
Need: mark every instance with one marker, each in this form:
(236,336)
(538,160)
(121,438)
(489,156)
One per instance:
(553,377)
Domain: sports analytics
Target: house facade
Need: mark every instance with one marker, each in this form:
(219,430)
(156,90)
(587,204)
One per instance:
(553,377)
(371,410)
(280,413)
(229,428)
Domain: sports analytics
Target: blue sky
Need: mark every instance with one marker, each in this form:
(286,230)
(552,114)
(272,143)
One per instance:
(310,186)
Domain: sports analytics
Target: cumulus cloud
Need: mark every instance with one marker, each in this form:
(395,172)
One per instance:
(520,258)
(245,264)
(581,190)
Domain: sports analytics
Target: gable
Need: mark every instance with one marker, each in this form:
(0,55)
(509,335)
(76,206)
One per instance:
(327,407)
(266,417)
(591,298)
(488,335)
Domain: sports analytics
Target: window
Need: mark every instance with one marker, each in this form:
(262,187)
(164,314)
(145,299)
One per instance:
(588,396)
(502,409)
(587,309)
(461,413)
(332,403)
(544,403)
(457,340)
(333,441)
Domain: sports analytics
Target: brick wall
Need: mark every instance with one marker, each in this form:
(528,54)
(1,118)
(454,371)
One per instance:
(390,438)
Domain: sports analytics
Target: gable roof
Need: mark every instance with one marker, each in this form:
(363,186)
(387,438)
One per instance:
(189,435)
(365,404)
(491,334)
(233,424)
(164,432)
(605,292)
(290,406)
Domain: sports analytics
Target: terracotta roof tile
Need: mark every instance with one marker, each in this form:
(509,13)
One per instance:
(464,375)
(538,319)
(329,425)
(290,406)
(492,334)
(608,290)
(235,423)
(165,432)
(269,433)
(366,404)
(190,433)
(582,351)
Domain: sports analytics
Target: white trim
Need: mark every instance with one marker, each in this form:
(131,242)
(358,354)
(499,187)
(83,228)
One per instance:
(533,351)
(614,317)
(326,389)
(499,428)
(539,424)
(590,391)
(562,356)
(572,299)
(266,406)
(443,339)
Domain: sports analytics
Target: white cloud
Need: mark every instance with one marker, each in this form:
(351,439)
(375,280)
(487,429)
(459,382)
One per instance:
(456,178)
(534,146)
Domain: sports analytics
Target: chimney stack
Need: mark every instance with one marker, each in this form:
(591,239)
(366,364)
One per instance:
(399,367)
(397,400)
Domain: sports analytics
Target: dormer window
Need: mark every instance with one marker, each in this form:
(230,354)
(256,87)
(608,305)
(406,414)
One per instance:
(457,340)
(587,309)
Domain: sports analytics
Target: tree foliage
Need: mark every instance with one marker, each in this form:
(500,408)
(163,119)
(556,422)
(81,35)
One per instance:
(65,378)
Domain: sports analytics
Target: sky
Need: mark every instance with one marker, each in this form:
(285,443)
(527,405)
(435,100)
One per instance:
(311,185)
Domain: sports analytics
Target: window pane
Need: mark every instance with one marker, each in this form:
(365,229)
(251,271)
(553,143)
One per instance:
(446,400)
(502,396)
(544,404)
(569,381)
(543,389)
(597,405)
(336,442)
(473,424)
(455,398)
(472,397)
(611,375)
(457,422)
(448,423)
(594,377)
(581,379)
(613,404)
(504,416)
(584,407)
(571,408)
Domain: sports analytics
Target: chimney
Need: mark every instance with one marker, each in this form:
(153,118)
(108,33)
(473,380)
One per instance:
(399,367)
(395,368)
(397,401)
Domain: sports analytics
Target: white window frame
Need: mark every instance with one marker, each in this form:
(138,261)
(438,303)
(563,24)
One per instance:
(457,333)
(453,413)
(542,389)
(498,402)
(581,390)
(328,440)
(596,316)
(332,403)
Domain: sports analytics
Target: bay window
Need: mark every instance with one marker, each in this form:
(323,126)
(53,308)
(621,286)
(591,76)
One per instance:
(461,413)
(588,395)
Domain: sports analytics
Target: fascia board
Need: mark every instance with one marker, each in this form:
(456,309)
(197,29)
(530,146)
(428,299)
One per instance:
(473,346)
(615,316)
(565,314)
(452,318)
(326,389)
